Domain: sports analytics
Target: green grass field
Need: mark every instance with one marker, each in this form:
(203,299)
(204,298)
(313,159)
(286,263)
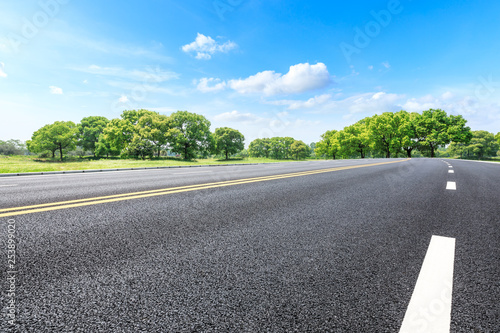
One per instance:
(19,164)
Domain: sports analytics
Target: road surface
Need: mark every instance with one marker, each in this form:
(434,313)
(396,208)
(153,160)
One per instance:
(323,246)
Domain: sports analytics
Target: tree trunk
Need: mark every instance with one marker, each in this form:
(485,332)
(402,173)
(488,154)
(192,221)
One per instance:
(60,152)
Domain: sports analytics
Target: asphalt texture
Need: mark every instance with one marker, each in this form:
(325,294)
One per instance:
(329,252)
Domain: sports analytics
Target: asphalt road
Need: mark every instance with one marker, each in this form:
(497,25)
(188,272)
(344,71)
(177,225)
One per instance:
(337,250)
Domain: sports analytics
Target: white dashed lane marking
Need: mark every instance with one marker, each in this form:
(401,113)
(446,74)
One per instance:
(429,309)
(451,186)
(451,171)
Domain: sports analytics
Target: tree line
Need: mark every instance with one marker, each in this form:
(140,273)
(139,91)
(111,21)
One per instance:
(138,133)
(12,147)
(394,134)
(279,148)
(483,144)
(143,133)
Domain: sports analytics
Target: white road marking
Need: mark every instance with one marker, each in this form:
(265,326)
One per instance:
(88,173)
(429,310)
(8,185)
(449,166)
(451,171)
(191,173)
(451,186)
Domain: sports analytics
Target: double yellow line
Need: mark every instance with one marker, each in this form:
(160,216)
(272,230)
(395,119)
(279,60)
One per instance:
(145,194)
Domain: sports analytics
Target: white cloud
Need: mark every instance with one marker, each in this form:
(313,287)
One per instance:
(2,72)
(137,89)
(370,67)
(260,82)
(238,117)
(447,95)
(373,103)
(310,103)
(150,75)
(481,113)
(123,99)
(300,78)
(108,48)
(206,46)
(56,90)
(203,85)
(270,124)
(367,103)
(452,103)
(386,64)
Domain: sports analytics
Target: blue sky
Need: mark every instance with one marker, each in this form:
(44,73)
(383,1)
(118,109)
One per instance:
(267,68)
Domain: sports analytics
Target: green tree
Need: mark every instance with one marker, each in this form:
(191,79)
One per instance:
(482,144)
(299,149)
(383,131)
(260,148)
(277,148)
(125,134)
(435,128)
(327,146)
(61,135)
(497,137)
(12,147)
(457,131)
(90,129)
(140,147)
(40,142)
(345,149)
(189,134)
(431,131)
(406,135)
(105,147)
(151,129)
(228,141)
(280,147)
(356,138)
(287,146)
(116,136)
(312,147)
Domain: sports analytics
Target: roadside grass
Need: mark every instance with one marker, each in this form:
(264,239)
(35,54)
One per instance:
(19,164)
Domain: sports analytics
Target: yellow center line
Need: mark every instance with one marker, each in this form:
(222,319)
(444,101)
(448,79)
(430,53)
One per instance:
(149,191)
(145,194)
